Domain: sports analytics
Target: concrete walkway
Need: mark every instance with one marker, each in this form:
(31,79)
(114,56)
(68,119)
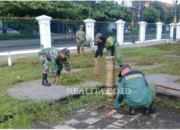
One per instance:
(165,79)
(133,66)
(36,91)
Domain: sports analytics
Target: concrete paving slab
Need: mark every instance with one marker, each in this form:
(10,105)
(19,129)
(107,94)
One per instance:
(118,116)
(119,123)
(172,56)
(91,127)
(155,65)
(34,90)
(81,125)
(104,122)
(165,79)
(112,127)
(72,122)
(73,70)
(91,120)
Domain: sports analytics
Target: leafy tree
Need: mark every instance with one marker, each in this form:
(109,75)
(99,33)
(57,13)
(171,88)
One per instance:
(150,15)
(109,11)
(169,17)
(139,6)
(161,10)
(104,11)
(178,13)
(60,9)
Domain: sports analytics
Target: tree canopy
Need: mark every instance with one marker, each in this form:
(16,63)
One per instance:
(150,15)
(160,9)
(104,11)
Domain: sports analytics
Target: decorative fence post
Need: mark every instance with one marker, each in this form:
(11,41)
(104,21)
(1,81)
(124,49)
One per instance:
(142,31)
(44,29)
(110,77)
(171,30)
(120,31)
(159,30)
(90,29)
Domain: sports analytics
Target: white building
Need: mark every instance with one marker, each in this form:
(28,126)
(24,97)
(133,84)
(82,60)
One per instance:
(127,3)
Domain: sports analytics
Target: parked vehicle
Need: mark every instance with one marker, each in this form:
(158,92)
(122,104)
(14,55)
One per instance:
(126,30)
(152,30)
(9,30)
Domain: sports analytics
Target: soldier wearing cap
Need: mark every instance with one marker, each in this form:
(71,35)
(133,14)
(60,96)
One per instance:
(133,86)
(57,58)
(80,35)
(111,45)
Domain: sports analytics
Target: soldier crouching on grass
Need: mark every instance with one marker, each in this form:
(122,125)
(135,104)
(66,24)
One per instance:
(141,94)
(57,58)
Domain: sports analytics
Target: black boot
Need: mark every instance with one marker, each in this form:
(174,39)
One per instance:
(44,80)
(149,110)
(132,111)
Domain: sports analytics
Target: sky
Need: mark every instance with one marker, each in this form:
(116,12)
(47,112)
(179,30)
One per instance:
(168,1)
(165,1)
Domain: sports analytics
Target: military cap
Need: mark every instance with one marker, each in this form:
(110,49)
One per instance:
(122,68)
(66,52)
(98,35)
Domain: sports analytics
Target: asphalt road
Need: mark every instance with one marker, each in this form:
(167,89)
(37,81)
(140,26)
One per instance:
(26,44)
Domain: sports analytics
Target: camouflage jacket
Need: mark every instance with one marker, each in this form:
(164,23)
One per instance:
(53,55)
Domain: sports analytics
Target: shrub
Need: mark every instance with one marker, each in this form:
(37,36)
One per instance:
(135,31)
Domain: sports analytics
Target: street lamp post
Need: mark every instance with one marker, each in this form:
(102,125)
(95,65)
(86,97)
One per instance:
(175,20)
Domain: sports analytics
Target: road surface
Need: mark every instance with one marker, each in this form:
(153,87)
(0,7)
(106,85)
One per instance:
(26,44)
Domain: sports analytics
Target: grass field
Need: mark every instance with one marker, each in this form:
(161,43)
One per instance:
(19,114)
(16,113)
(29,68)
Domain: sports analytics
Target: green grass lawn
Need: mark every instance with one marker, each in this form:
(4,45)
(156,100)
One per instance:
(29,68)
(19,114)
(16,113)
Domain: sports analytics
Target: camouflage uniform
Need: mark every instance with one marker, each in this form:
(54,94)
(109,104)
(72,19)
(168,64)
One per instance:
(53,55)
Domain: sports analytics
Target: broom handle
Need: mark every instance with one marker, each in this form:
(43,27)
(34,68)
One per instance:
(166,87)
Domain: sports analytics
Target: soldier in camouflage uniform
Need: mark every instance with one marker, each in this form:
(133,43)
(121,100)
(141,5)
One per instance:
(57,58)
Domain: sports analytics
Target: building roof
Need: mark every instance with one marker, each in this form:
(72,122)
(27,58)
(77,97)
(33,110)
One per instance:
(168,5)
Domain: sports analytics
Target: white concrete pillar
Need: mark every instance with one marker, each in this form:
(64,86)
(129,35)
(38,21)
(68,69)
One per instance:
(178,30)
(171,30)
(142,31)
(120,31)
(159,30)
(44,29)
(89,23)
(9,60)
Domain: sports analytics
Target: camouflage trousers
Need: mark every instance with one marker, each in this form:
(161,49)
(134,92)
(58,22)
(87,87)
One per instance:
(45,63)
